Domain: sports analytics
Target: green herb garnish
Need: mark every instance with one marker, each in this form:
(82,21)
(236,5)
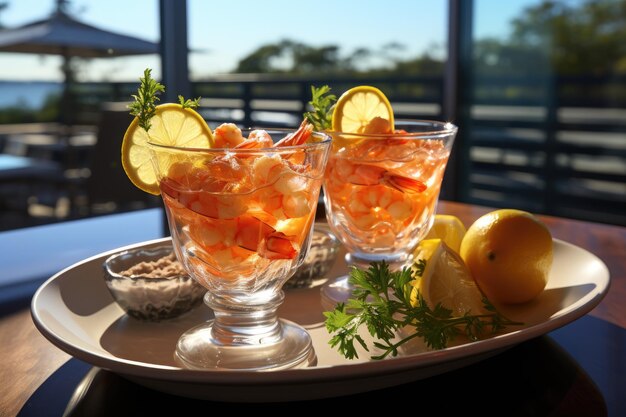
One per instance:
(322,102)
(189,103)
(382,302)
(144,106)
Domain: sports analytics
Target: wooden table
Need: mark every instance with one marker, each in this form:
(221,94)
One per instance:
(579,369)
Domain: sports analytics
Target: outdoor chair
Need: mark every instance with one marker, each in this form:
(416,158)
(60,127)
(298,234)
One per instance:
(108,189)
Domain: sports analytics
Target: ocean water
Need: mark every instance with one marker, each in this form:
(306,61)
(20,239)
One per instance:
(26,93)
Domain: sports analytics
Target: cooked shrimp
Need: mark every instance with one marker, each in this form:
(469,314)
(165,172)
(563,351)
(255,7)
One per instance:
(218,235)
(257,236)
(364,174)
(371,195)
(227,135)
(257,139)
(298,137)
(282,188)
(221,219)
(278,246)
(241,208)
(377,125)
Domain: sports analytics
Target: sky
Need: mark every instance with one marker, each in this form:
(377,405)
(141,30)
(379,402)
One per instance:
(222,32)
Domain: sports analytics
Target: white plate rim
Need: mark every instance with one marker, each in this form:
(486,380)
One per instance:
(317,374)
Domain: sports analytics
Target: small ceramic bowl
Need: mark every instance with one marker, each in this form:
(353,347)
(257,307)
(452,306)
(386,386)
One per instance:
(318,262)
(150,284)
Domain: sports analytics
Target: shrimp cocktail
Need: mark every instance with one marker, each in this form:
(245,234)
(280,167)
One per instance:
(241,211)
(382,181)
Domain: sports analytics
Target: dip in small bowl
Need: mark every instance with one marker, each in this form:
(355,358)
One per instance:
(150,284)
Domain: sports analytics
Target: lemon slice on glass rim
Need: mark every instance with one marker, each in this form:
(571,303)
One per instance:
(446,280)
(358,106)
(172,125)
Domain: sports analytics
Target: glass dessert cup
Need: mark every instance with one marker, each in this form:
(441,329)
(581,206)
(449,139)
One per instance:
(241,221)
(381,193)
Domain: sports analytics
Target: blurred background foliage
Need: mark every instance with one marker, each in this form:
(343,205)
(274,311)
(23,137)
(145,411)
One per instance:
(551,37)
(572,39)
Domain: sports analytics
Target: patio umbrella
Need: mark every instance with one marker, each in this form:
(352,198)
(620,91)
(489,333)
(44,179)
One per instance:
(60,34)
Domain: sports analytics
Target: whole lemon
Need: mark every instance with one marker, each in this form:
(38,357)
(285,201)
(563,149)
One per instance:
(509,253)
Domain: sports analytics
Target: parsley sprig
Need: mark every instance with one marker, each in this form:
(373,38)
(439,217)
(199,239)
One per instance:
(382,303)
(322,102)
(144,106)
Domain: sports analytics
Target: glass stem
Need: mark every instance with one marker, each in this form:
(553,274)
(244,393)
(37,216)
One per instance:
(241,323)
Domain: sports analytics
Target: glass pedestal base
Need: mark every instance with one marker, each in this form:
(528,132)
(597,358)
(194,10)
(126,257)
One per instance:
(335,291)
(291,347)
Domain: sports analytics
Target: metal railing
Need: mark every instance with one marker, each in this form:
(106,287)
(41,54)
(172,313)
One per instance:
(552,145)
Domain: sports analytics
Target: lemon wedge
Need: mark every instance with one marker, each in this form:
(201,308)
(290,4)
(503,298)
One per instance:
(358,106)
(446,280)
(172,125)
(448,228)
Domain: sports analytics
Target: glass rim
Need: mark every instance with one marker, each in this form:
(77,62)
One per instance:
(327,139)
(446,129)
